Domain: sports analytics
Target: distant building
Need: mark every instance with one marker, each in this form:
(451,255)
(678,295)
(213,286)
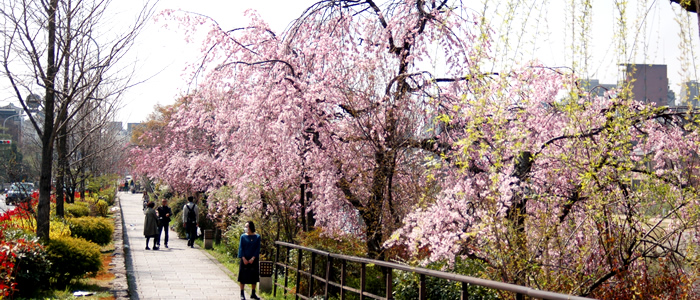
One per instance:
(690,93)
(115,126)
(595,87)
(649,82)
(671,98)
(11,120)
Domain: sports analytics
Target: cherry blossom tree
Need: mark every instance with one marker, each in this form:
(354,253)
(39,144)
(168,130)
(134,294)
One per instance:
(341,101)
(588,196)
(391,115)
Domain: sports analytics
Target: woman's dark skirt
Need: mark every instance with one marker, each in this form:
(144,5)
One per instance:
(250,273)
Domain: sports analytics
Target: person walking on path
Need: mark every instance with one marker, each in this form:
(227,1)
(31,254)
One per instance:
(164,212)
(150,225)
(178,275)
(189,220)
(249,253)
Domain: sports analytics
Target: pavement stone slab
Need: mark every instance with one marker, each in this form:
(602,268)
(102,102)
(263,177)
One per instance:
(178,272)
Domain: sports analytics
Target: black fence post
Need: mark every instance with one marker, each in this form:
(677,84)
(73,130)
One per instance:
(329,268)
(422,293)
(298,274)
(389,284)
(463,295)
(286,271)
(342,279)
(277,259)
(311,274)
(362,280)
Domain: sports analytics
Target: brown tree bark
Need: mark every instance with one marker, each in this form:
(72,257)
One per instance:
(47,138)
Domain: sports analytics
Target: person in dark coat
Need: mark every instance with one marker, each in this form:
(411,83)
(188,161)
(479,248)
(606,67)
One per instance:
(150,225)
(249,253)
(164,212)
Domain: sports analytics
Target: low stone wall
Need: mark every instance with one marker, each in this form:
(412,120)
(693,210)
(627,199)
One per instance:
(120,286)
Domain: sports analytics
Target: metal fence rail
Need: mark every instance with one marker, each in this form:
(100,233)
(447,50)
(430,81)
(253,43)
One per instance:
(343,259)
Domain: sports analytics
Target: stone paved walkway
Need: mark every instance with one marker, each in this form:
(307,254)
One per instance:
(178,272)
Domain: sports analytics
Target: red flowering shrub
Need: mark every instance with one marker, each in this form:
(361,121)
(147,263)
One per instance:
(23,261)
(7,265)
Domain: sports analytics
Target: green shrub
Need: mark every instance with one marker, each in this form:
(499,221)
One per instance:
(406,283)
(177,225)
(231,239)
(77,209)
(347,244)
(73,258)
(102,208)
(33,269)
(107,195)
(95,229)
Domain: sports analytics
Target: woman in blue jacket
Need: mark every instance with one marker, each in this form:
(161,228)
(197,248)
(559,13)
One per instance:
(249,253)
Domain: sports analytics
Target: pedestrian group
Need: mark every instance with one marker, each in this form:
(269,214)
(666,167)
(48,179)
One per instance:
(156,223)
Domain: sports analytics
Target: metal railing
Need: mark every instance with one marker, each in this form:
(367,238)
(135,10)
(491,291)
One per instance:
(327,282)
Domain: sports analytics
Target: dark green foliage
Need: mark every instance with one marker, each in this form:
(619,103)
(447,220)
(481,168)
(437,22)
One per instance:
(406,284)
(76,210)
(341,244)
(231,239)
(33,269)
(95,229)
(73,258)
(176,205)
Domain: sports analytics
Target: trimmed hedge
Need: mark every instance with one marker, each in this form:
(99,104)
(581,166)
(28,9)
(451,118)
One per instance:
(102,208)
(77,210)
(95,229)
(73,258)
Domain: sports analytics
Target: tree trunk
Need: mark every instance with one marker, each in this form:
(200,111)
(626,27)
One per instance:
(62,122)
(372,212)
(61,149)
(44,207)
(516,215)
(82,188)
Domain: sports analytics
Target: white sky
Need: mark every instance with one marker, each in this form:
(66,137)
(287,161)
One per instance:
(542,32)
(163,54)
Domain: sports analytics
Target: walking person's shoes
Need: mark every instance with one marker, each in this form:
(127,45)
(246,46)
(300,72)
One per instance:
(166,245)
(242,295)
(148,248)
(156,248)
(254,296)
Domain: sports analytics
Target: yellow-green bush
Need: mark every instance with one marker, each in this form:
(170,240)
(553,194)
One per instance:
(108,195)
(73,258)
(102,208)
(95,229)
(57,227)
(77,209)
